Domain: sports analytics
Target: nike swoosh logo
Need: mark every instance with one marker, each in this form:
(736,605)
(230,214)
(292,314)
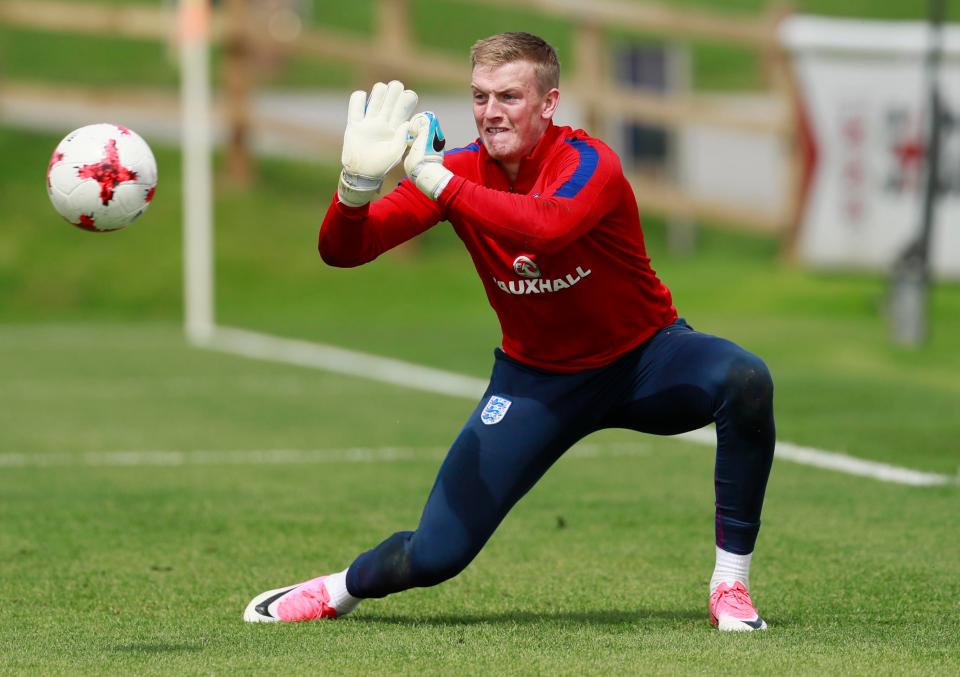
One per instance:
(263,607)
(756,625)
(439,144)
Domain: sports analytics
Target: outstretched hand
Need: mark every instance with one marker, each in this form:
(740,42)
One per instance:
(375,139)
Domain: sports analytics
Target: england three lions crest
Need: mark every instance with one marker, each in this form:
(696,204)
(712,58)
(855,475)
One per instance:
(495,410)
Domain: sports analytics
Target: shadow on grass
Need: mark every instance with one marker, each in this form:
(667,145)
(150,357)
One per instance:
(585,617)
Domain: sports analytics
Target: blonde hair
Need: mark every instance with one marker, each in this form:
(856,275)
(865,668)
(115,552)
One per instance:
(504,48)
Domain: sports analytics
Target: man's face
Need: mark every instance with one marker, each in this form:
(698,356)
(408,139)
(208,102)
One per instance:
(510,111)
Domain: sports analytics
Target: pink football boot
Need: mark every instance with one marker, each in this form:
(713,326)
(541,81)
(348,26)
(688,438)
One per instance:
(306,601)
(732,609)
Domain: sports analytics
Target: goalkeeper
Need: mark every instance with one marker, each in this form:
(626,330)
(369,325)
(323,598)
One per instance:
(591,339)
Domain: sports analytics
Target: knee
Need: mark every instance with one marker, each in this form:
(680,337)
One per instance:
(748,387)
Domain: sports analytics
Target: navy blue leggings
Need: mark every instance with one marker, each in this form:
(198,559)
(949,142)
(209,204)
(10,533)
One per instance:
(677,381)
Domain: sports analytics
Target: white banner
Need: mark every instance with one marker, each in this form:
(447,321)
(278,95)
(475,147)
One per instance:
(866,112)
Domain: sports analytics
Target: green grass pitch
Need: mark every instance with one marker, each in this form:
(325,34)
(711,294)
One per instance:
(602,569)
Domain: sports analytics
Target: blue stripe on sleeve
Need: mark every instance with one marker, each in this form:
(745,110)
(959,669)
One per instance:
(589,158)
(472,147)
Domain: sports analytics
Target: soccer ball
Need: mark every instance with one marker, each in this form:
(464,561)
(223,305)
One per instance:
(101,177)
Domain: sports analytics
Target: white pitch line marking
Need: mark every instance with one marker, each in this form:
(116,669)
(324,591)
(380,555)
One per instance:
(121,459)
(405,374)
(844,463)
(342,361)
(211,457)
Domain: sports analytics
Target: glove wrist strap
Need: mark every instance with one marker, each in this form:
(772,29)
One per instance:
(361,182)
(353,196)
(441,185)
(431,178)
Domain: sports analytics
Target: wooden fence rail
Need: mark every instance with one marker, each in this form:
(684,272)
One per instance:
(129,21)
(660,19)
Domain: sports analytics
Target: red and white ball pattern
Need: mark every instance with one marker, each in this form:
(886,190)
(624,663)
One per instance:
(101,177)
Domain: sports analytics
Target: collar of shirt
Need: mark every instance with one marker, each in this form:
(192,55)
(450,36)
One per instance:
(530,166)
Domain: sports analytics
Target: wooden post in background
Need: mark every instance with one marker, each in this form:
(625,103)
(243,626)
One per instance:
(781,81)
(393,26)
(2,65)
(774,59)
(591,76)
(395,39)
(238,74)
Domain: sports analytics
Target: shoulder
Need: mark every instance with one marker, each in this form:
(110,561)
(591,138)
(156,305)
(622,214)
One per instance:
(576,144)
(583,160)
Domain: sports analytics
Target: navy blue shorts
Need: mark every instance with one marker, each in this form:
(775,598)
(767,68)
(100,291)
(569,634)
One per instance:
(679,380)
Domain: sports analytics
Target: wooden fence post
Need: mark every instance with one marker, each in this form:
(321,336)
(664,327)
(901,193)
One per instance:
(393,26)
(780,78)
(393,37)
(591,77)
(238,72)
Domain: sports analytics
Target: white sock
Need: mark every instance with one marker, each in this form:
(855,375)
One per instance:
(341,600)
(731,568)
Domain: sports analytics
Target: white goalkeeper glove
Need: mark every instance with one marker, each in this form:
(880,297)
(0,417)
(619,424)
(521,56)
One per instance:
(374,141)
(424,162)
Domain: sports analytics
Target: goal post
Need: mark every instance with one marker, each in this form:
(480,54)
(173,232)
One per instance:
(198,292)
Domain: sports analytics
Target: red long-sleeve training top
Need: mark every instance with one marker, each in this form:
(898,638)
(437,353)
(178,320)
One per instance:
(560,251)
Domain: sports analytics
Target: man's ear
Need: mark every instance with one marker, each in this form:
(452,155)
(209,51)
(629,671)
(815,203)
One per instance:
(550,101)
